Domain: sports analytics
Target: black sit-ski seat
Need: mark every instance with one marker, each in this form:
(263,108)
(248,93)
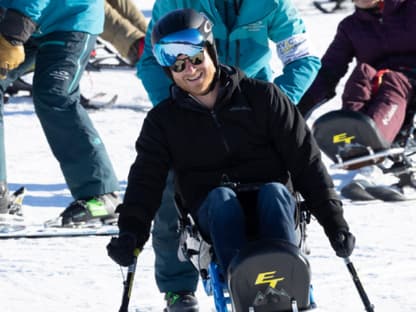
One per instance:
(351,139)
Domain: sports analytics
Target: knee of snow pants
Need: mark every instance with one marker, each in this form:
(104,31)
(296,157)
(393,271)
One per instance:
(221,210)
(358,88)
(388,105)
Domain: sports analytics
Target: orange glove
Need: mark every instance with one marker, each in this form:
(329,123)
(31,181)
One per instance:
(11,56)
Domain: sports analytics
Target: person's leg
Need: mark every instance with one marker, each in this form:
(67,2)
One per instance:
(171,274)
(388,106)
(222,219)
(60,62)
(358,88)
(276,213)
(178,280)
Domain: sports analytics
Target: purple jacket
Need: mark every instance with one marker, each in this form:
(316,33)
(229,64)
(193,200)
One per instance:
(385,40)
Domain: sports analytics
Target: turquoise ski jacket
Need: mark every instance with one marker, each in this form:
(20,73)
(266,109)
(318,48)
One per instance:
(246,45)
(61,15)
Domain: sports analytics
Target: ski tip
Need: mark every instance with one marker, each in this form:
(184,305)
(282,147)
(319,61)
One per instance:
(357,191)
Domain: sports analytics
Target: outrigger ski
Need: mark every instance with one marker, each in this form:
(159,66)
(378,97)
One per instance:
(14,217)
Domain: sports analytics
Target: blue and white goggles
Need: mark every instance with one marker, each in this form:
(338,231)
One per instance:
(188,42)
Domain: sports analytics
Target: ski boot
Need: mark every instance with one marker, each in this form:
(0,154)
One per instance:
(11,205)
(94,211)
(181,302)
(19,85)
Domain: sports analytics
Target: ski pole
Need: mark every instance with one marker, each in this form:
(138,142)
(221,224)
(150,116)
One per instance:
(128,283)
(364,298)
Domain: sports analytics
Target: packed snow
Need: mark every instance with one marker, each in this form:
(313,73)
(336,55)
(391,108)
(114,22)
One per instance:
(75,274)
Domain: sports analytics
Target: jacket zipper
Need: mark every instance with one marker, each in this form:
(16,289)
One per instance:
(218,124)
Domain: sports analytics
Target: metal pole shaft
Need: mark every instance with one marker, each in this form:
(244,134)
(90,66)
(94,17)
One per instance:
(128,283)
(363,295)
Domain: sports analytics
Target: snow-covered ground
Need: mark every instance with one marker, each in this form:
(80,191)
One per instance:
(48,275)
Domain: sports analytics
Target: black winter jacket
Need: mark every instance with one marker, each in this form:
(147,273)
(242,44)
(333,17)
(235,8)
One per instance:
(253,134)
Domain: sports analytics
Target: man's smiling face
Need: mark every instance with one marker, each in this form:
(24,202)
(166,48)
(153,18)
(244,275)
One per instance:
(195,79)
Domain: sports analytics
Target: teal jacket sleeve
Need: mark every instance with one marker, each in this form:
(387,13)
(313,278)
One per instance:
(30,8)
(68,15)
(300,66)
(298,76)
(153,78)
(284,27)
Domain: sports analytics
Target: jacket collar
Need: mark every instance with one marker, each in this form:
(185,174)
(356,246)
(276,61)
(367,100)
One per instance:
(229,79)
(389,8)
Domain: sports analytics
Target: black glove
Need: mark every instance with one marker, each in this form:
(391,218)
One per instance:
(121,249)
(343,242)
(15,30)
(330,216)
(133,234)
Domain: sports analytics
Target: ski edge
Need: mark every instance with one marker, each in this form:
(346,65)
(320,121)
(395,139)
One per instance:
(58,233)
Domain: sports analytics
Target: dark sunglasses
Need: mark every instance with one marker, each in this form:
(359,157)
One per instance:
(179,65)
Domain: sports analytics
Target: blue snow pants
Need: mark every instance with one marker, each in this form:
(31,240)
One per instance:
(60,59)
(222,219)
